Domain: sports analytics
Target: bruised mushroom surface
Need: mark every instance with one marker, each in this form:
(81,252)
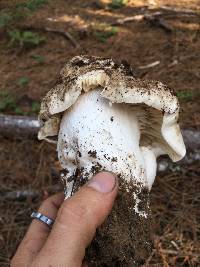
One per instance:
(105,119)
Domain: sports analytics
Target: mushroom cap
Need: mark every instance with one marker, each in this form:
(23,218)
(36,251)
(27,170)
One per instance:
(160,108)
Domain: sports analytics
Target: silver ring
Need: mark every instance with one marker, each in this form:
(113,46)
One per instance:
(39,216)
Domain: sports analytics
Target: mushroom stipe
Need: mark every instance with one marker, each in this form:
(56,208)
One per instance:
(125,237)
(103,118)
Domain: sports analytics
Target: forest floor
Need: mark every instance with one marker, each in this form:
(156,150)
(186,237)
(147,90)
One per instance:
(161,41)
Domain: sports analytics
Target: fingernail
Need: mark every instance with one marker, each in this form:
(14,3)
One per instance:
(103,182)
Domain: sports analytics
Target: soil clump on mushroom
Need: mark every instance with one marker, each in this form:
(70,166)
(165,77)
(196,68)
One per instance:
(124,239)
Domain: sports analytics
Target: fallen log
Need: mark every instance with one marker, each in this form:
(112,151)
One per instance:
(164,166)
(29,193)
(18,127)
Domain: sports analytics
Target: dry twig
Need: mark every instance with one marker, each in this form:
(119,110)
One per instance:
(65,34)
(154,19)
(158,18)
(150,65)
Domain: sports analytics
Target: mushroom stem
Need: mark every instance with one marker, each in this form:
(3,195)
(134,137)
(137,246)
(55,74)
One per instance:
(95,136)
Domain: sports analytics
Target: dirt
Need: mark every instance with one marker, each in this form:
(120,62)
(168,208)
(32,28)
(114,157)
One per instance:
(25,165)
(124,238)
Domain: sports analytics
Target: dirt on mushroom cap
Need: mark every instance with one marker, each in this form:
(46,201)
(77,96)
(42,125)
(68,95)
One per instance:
(117,80)
(84,73)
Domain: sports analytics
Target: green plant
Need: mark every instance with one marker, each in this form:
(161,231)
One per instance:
(117,3)
(9,104)
(25,38)
(105,33)
(7,101)
(5,19)
(19,111)
(185,95)
(31,5)
(38,58)
(23,81)
(35,107)
(19,11)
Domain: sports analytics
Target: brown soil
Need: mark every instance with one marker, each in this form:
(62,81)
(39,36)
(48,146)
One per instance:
(124,238)
(33,166)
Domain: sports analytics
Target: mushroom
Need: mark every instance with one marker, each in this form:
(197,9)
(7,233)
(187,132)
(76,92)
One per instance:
(103,118)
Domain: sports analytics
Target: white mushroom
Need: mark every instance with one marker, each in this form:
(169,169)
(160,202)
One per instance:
(105,119)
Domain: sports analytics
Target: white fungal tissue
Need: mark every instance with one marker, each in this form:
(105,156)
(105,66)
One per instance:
(106,119)
(95,134)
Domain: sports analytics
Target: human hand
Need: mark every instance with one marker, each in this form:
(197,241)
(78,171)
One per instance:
(76,221)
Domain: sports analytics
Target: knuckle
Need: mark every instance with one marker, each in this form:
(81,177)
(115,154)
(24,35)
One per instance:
(52,202)
(44,203)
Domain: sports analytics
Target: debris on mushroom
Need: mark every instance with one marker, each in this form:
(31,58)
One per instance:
(105,119)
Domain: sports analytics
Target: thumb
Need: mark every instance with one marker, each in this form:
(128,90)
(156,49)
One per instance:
(78,219)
